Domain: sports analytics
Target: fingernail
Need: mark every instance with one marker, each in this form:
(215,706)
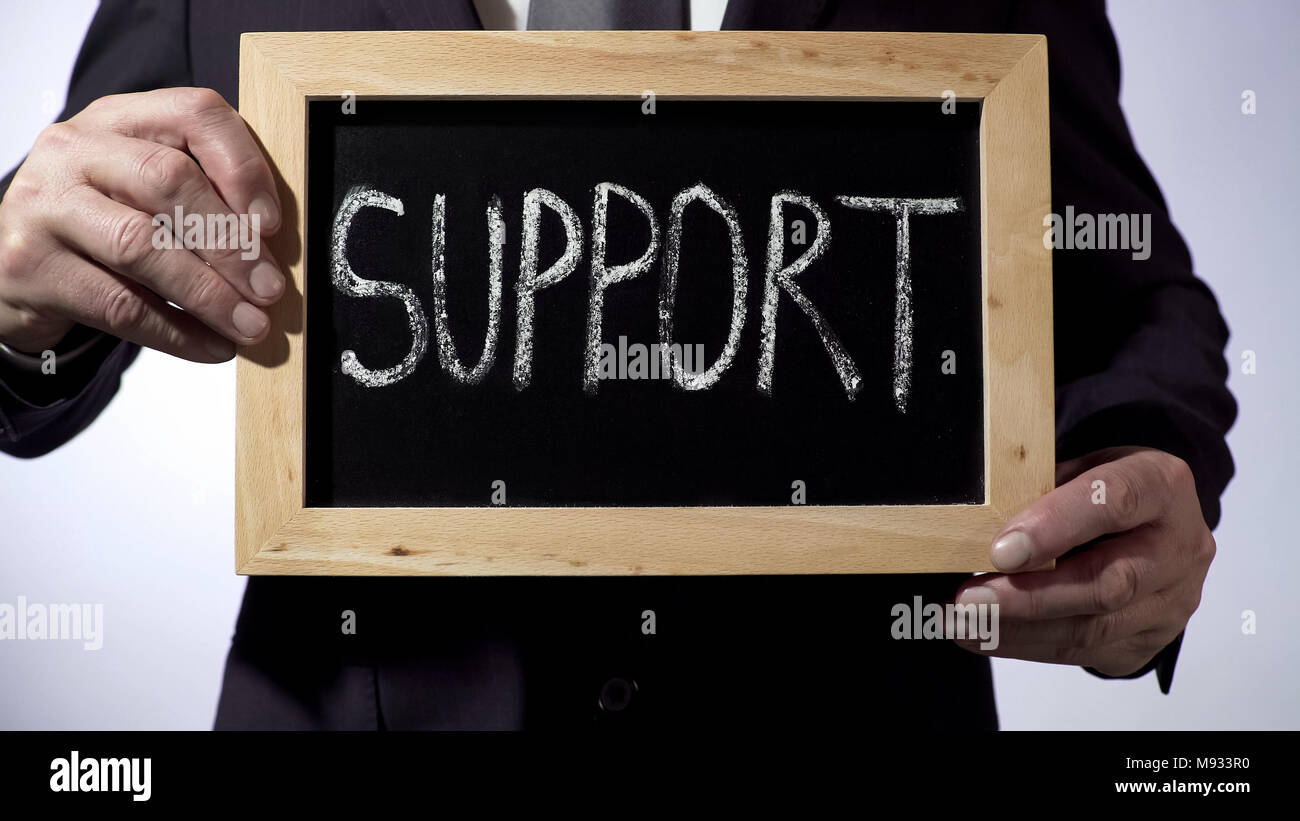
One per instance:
(978,594)
(1012,551)
(248,320)
(266,280)
(264,206)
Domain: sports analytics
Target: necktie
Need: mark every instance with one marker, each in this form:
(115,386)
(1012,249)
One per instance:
(571,15)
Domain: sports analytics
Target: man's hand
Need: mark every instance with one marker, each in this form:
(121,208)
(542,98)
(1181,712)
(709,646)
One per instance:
(77,237)
(1116,603)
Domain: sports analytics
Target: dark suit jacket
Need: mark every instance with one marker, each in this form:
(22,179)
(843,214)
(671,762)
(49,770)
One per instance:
(1139,361)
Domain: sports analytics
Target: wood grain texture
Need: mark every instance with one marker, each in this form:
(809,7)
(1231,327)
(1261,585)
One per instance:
(279,72)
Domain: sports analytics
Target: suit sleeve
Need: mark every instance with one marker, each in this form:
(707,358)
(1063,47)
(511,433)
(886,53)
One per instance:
(1139,343)
(131,45)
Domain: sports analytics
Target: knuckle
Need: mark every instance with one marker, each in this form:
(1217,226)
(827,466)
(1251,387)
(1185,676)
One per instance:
(1175,479)
(1209,548)
(18,256)
(92,108)
(249,173)
(111,112)
(166,171)
(206,294)
(200,102)
(103,104)
(1175,472)
(1032,603)
(124,310)
(1117,585)
(248,169)
(222,245)
(25,189)
(130,239)
(27,321)
(56,137)
(1122,495)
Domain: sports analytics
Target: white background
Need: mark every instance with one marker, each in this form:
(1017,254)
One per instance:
(137,512)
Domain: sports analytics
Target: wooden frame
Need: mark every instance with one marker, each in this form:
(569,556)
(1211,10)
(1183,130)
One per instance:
(279,73)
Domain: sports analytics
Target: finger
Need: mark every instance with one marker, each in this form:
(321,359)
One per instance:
(1128,656)
(1107,577)
(121,239)
(1080,631)
(1043,653)
(158,179)
(1133,490)
(1067,470)
(88,293)
(198,121)
(1117,659)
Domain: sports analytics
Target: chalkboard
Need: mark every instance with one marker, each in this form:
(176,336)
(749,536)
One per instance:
(646,303)
(851,377)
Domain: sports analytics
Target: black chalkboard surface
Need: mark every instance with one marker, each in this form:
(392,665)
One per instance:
(872,395)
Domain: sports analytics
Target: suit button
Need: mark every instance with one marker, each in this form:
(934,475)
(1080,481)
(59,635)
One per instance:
(616,694)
